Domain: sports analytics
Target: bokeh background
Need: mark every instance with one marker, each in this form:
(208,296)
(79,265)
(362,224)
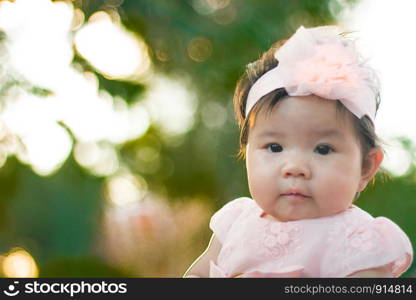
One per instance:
(117,134)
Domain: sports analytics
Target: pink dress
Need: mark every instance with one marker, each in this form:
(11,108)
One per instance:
(334,246)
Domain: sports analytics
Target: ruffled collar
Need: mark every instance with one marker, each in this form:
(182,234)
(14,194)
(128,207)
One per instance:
(263,215)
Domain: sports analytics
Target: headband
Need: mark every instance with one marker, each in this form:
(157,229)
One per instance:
(321,62)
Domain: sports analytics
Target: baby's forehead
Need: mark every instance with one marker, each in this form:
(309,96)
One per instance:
(309,114)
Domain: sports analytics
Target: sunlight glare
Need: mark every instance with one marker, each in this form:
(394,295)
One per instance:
(171,104)
(386,36)
(124,189)
(111,49)
(27,24)
(99,159)
(33,120)
(112,119)
(397,160)
(20,263)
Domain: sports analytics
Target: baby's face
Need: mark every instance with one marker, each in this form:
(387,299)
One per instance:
(303,161)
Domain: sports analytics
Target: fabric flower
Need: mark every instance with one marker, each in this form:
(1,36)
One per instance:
(320,61)
(280,239)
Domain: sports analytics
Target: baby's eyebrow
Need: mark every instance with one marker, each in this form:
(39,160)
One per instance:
(314,133)
(271,133)
(327,133)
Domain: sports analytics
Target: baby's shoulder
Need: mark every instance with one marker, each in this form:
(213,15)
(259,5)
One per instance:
(359,241)
(357,223)
(225,217)
(238,204)
(234,208)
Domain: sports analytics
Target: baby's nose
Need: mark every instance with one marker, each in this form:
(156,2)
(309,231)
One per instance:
(296,169)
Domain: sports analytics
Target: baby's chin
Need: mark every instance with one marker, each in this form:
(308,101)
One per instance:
(295,216)
(288,213)
(293,219)
(305,216)
(284,217)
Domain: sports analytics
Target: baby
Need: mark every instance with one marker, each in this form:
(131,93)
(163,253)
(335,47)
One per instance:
(306,112)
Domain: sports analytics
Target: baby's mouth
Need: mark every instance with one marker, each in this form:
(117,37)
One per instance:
(295,193)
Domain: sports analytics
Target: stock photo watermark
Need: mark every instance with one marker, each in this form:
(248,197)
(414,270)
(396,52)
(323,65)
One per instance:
(71,289)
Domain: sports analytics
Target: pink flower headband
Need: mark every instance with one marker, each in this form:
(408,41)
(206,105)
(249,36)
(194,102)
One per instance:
(320,61)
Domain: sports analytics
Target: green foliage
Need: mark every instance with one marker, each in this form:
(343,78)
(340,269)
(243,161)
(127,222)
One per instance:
(53,217)
(87,266)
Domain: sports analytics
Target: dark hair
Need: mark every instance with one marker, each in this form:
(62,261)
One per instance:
(364,128)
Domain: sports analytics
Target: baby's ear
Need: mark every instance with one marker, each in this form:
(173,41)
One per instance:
(370,166)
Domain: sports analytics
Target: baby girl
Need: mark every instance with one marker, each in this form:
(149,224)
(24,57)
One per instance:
(306,112)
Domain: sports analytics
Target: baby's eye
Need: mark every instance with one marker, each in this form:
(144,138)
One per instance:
(274,148)
(323,149)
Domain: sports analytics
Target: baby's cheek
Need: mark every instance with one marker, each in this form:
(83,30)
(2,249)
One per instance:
(345,170)
(257,168)
(257,183)
(253,177)
(260,180)
(340,190)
